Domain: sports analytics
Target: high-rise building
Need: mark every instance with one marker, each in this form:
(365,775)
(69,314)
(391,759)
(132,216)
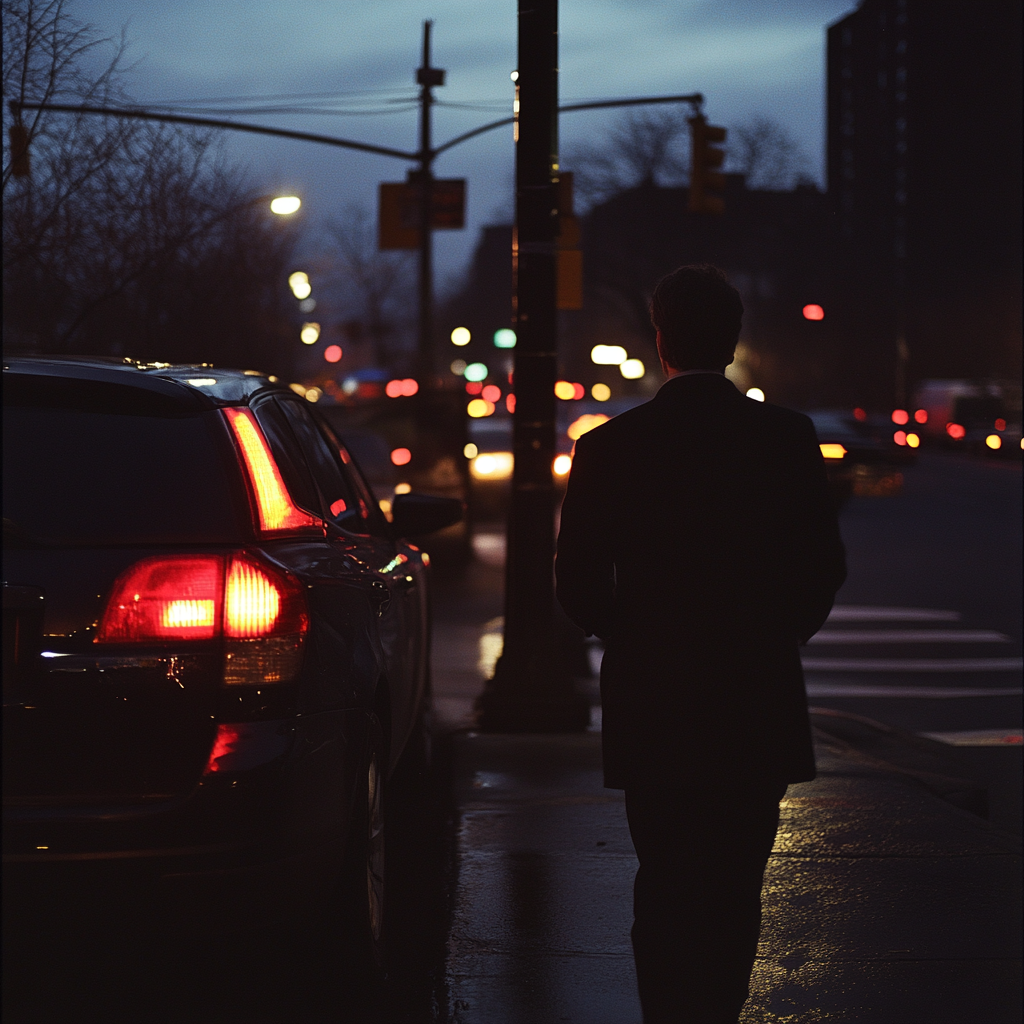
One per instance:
(924,174)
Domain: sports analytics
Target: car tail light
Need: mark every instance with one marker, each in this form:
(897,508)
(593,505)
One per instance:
(277,511)
(258,610)
(158,599)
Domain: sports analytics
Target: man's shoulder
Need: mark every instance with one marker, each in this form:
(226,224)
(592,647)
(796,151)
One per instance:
(619,428)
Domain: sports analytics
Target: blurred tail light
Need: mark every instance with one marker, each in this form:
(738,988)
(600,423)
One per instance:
(955,431)
(277,511)
(258,610)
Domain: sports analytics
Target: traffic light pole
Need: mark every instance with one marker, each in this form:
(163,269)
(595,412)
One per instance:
(427,77)
(528,693)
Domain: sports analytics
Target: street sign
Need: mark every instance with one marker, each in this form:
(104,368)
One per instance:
(399,211)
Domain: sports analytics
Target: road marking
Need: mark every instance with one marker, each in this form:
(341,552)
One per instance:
(874,613)
(979,737)
(913,664)
(927,692)
(909,636)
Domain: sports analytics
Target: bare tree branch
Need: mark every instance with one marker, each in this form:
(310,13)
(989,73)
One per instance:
(375,286)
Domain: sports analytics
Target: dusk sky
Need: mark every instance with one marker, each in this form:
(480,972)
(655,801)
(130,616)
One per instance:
(747,57)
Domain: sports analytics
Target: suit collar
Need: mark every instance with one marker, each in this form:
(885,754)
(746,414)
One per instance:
(696,383)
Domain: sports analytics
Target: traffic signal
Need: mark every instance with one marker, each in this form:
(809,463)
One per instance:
(705,179)
(18,136)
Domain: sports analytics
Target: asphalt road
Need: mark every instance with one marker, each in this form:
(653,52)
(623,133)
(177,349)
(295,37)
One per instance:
(926,635)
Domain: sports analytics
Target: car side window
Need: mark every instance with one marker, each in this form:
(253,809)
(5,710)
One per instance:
(378,523)
(343,504)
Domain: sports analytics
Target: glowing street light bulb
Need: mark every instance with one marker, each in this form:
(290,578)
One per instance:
(309,333)
(299,284)
(461,336)
(284,205)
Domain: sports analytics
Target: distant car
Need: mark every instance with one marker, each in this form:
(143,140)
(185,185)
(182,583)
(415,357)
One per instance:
(215,644)
(861,459)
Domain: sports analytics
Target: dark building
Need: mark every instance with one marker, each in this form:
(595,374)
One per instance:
(773,246)
(924,174)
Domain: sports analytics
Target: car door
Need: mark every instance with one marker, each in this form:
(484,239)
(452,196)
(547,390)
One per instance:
(350,507)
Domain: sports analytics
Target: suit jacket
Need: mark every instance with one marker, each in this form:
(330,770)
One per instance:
(699,540)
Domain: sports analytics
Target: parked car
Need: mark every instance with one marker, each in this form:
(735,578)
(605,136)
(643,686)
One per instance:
(215,644)
(861,459)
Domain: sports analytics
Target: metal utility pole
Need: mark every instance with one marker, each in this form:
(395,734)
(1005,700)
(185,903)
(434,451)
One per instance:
(528,693)
(427,77)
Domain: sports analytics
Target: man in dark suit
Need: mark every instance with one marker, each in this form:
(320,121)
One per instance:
(699,541)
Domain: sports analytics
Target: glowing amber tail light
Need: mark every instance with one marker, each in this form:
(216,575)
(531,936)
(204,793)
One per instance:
(252,603)
(277,511)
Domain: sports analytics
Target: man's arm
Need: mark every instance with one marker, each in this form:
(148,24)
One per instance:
(820,555)
(584,569)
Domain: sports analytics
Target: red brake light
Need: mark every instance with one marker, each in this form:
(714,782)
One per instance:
(277,511)
(191,597)
(165,599)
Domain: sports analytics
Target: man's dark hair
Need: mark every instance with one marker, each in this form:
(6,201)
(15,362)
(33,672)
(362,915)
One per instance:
(699,314)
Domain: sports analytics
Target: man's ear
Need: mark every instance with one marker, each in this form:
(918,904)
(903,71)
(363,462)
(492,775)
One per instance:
(665,365)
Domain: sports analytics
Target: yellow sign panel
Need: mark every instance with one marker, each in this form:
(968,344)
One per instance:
(399,213)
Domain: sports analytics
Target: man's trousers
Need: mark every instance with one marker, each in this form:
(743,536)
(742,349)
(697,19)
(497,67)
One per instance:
(697,896)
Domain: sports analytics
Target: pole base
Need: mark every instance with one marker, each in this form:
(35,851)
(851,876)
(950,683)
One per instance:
(505,708)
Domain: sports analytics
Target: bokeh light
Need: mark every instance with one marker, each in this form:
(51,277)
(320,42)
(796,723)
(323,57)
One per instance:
(299,284)
(461,336)
(900,437)
(475,371)
(608,355)
(756,394)
(309,333)
(994,441)
(913,441)
(562,464)
(956,431)
(813,312)
(479,407)
(632,369)
(601,392)
(586,422)
(505,338)
(565,391)
(470,451)
(458,367)
(401,456)
(333,354)
(491,393)
(921,416)
(900,417)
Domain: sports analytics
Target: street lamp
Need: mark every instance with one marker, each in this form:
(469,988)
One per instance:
(285,205)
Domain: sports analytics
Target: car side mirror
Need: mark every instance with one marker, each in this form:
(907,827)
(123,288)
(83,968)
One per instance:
(413,515)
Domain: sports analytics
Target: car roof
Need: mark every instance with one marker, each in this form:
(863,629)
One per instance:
(212,386)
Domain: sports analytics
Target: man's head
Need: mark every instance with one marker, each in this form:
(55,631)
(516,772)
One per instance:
(697,314)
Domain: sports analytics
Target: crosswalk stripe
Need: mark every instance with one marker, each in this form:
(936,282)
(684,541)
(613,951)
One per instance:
(913,664)
(909,636)
(875,613)
(926,692)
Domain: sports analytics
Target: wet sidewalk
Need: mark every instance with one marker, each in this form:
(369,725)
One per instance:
(886,902)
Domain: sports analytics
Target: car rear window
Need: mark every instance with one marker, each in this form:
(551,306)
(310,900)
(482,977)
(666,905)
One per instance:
(88,462)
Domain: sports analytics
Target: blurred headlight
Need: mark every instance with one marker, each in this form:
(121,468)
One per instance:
(491,466)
